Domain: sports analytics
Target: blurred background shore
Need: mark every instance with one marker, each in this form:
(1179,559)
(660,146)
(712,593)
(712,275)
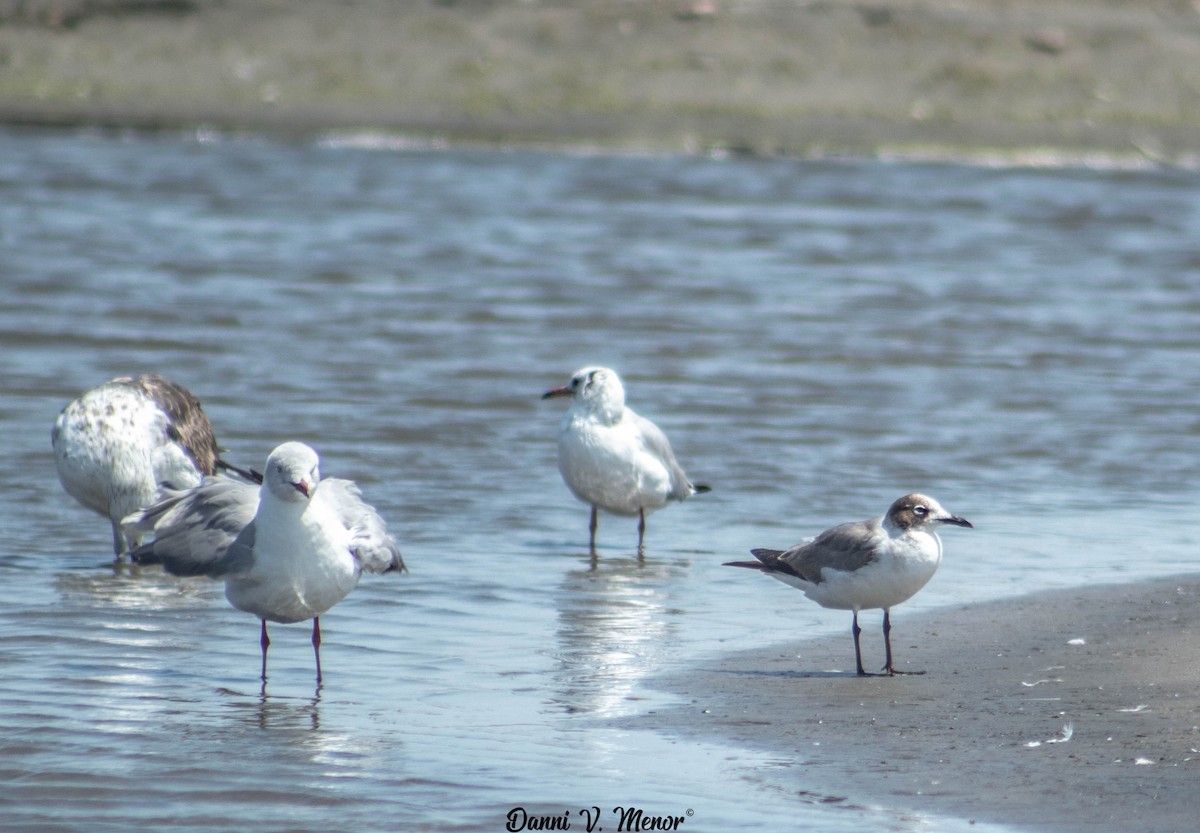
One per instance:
(908,77)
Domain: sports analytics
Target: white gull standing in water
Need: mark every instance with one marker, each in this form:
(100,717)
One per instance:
(287,551)
(120,446)
(868,564)
(611,458)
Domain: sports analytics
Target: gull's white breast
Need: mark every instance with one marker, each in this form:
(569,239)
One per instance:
(302,563)
(608,466)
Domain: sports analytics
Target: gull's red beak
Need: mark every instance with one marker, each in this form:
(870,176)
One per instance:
(555,392)
(304,488)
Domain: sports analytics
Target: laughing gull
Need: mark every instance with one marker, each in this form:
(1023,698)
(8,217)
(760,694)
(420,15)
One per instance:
(120,446)
(868,564)
(287,551)
(611,458)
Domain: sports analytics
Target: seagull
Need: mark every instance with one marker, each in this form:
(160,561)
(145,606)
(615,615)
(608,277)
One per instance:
(120,446)
(859,566)
(287,550)
(611,458)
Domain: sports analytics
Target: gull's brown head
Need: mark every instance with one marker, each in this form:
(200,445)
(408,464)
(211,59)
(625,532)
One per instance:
(915,511)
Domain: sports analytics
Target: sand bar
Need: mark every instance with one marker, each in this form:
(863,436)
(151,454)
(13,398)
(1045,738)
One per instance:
(983,734)
(1039,79)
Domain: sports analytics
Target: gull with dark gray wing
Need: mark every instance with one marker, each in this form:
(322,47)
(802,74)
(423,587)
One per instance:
(877,563)
(288,550)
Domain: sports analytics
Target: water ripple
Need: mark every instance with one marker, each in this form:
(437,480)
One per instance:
(816,338)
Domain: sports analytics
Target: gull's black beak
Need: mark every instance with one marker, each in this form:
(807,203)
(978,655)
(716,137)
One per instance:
(957,521)
(555,392)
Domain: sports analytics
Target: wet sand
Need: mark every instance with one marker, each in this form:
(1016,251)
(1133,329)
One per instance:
(1035,78)
(982,735)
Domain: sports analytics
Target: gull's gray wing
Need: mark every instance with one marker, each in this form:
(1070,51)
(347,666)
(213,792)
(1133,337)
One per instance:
(655,442)
(369,540)
(207,531)
(847,547)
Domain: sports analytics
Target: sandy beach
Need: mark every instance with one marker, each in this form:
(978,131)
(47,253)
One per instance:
(1065,711)
(1035,78)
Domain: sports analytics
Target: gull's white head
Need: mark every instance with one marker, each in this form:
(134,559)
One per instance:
(920,512)
(292,473)
(595,389)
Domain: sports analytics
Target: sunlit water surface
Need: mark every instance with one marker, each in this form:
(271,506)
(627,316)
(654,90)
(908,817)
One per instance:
(816,337)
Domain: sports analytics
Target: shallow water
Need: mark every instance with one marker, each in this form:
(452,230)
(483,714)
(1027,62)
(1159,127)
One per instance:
(816,337)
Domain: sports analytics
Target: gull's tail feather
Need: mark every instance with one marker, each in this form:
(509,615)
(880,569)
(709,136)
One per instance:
(767,557)
(249,474)
(768,562)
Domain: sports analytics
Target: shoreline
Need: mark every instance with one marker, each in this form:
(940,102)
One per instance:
(1069,79)
(352,135)
(1015,721)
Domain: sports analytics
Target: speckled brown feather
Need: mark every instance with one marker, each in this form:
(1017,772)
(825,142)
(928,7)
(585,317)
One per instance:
(189,424)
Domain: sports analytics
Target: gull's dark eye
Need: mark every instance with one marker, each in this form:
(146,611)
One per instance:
(920,510)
